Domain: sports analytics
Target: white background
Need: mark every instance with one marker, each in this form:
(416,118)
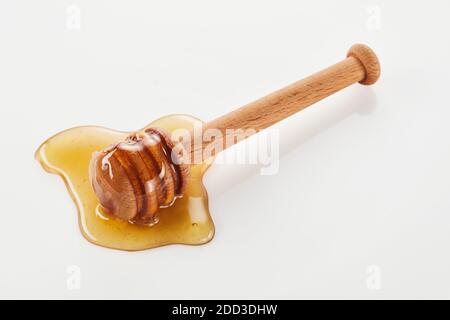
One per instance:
(360,207)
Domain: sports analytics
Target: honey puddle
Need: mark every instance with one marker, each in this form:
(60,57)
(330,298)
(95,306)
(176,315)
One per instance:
(187,221)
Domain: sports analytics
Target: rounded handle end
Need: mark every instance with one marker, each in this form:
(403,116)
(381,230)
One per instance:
(369,60)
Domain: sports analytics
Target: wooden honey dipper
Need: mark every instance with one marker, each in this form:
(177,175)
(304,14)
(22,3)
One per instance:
(134,178)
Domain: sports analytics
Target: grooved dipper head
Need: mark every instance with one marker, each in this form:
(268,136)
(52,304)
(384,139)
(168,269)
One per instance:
(134,178)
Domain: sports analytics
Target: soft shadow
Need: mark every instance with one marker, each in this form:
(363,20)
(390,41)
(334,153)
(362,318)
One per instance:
(297,130)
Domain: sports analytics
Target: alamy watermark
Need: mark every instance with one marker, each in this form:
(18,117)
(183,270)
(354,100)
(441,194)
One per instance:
(201,144)
(373,281)
(73,281)
(373,21)
(73,18)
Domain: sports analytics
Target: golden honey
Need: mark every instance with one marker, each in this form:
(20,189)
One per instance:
(187,221)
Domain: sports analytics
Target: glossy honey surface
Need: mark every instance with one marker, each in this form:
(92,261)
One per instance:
(187,221)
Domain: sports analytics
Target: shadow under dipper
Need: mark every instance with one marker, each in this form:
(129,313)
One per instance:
(293,133)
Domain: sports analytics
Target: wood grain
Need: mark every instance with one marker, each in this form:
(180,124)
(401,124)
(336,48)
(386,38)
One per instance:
(148,176)
(361,65)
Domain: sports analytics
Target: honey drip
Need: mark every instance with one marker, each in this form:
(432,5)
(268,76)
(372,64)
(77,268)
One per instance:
(187,221)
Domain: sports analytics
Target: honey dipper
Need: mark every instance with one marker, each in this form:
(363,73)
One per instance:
(134,178)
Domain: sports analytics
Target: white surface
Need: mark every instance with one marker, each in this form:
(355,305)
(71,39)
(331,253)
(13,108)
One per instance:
(364,176)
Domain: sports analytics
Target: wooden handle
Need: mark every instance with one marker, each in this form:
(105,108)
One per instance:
(149,176)
(361,65)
